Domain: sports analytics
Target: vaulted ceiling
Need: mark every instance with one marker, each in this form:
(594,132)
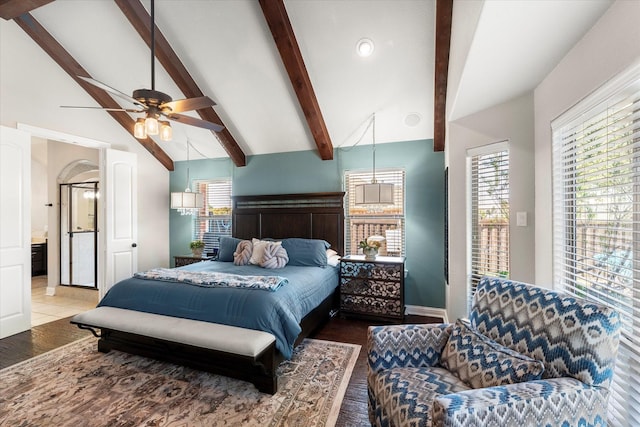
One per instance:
(284,74)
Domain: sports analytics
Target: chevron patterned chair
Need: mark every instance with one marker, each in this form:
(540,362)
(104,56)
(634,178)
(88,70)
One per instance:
(527,357)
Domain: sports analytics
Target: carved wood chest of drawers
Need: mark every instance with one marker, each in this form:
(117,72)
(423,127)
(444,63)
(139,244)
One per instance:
(372,288)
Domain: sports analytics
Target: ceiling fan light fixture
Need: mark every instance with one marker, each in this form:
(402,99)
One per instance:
(139,130)
(151,125)
(166,133)
(155,104)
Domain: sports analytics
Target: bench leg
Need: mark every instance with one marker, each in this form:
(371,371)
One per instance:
(268,385)
(103,347)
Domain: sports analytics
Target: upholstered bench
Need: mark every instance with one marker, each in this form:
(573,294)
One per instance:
(247,342)
(527,357)
(185,341)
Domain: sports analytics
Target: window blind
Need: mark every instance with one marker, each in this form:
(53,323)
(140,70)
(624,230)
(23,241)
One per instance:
(489,173)
(596,201)
(214,219)
(388,221)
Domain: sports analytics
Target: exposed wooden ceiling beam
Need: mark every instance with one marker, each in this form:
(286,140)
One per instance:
(276,15)
(141,21)
(55,50)
(444,11)
(10,9)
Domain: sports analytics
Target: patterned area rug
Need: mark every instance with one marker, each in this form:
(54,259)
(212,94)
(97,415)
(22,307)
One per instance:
(76,385)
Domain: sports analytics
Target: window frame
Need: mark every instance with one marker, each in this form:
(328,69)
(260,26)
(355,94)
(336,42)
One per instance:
(570,270)
(351,178)
(497,234)
(218,224)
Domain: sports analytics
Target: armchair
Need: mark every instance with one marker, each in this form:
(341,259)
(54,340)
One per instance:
(527,357)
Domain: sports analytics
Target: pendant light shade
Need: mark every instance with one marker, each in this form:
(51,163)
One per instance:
(375,193)
(139,130)
(187,202)
(166,133)
(151,125)
(186,199)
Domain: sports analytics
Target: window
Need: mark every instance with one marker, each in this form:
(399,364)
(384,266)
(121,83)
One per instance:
(596,201)
(214,219)
(363,221)
(489,191)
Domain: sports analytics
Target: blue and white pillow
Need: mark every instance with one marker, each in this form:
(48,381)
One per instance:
(481,362)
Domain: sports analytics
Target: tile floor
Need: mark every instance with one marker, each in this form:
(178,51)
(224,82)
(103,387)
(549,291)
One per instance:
(65,303)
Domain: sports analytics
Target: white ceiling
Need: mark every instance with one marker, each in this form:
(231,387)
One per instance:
(500,49)
(515,45)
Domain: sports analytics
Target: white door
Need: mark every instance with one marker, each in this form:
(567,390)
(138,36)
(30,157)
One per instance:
(120,217)
(15,231)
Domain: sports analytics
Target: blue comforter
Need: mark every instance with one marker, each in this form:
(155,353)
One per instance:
(278,313)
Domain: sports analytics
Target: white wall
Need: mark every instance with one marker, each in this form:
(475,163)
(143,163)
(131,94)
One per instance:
(153,211)
(39,198)
(512,121)
(611,46)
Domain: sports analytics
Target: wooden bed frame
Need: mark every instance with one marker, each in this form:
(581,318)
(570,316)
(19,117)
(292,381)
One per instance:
(314,216)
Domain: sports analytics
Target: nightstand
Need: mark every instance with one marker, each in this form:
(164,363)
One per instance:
(372,288)
(182,260)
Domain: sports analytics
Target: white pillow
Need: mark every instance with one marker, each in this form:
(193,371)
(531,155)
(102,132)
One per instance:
(259,247)
(333,260)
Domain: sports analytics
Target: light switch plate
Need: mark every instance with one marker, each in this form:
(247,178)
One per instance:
(521,219)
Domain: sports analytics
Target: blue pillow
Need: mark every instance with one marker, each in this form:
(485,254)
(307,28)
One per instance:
(228,246)
(306,252)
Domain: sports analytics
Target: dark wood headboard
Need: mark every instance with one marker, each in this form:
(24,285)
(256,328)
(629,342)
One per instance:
(279,216)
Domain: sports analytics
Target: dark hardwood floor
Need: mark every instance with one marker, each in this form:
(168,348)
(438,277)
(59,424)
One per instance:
(353,412)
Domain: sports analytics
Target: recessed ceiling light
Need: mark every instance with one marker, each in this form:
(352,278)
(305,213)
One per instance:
(412,119)
(365,47)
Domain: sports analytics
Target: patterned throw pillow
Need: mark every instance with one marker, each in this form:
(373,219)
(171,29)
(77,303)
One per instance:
(481,362)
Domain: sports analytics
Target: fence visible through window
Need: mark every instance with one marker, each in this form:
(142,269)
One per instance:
(489,200)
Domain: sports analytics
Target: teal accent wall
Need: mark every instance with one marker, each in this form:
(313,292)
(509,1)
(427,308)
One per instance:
(305,172)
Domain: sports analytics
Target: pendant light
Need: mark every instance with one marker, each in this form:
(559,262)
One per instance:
(187,202)
(376,193)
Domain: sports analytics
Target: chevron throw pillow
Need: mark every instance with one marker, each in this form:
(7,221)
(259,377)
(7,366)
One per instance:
(481,362)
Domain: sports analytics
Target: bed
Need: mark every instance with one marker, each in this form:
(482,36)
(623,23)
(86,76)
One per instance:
(223,329)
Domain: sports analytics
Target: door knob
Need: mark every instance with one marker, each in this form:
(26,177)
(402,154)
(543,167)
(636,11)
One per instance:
(134,245)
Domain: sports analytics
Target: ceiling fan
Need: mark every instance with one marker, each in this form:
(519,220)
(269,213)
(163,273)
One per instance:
(155,104)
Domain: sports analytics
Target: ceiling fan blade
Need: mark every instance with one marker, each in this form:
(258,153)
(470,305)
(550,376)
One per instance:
(128,110)
(189,104)
(188,120)
(112,91)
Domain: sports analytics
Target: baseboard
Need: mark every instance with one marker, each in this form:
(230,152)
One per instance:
(420,310)
(51,291)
